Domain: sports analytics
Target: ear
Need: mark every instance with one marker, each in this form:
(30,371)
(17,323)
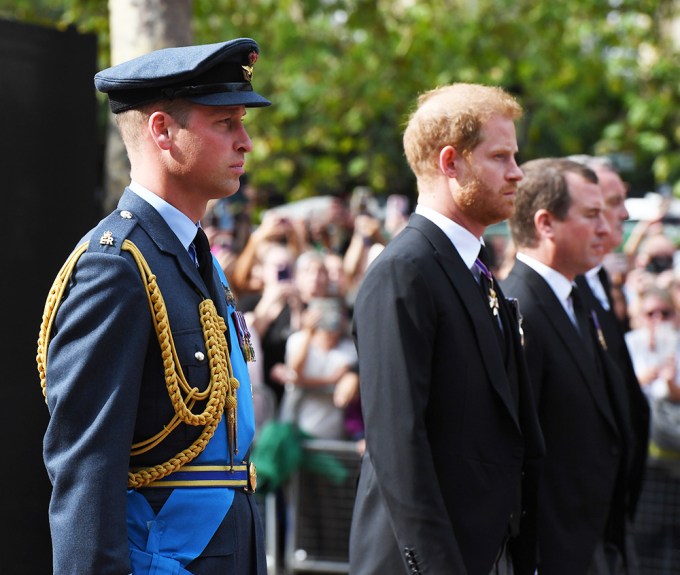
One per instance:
(161,126)
(543,222)
(447,161)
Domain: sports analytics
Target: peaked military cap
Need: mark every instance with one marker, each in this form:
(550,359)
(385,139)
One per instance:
(210,74)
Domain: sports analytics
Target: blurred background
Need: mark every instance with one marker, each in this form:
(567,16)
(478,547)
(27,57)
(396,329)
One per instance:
(595,76)
(326,175)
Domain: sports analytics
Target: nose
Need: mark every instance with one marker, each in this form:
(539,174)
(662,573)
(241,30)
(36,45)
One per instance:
(603,227)
(243,142)
(625,214)
(515,174)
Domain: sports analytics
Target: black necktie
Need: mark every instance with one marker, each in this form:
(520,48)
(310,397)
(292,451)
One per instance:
(604,279)
(582,320)
(606,284)
(204,256)
(205,266)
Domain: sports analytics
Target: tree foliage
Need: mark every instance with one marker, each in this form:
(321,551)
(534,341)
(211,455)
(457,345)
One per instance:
(593,76)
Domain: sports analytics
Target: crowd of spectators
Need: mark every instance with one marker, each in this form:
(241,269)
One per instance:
(295,269)
(296,272)
(649,284)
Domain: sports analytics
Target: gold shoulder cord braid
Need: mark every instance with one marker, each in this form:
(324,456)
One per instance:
(221,390)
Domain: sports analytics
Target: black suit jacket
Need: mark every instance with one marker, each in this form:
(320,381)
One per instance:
(447,442)
(585,419)
(639,408)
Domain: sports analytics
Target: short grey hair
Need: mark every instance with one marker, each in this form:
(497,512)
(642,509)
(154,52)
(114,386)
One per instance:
(594,162)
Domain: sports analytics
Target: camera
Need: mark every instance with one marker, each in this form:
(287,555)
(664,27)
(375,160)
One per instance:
(658,264)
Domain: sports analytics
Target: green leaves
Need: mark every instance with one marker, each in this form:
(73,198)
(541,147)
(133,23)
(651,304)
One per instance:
(343,75)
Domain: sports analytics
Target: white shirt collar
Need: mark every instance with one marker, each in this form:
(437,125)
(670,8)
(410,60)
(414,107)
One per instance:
(592,273)
(557,282)
(596,286)
(179,223)
(465,243)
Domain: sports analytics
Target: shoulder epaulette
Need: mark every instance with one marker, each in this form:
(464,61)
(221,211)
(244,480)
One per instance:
(112,231)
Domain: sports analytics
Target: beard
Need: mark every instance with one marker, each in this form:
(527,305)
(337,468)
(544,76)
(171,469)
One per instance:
(482,203)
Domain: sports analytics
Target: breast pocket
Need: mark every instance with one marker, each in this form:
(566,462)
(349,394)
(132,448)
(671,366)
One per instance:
(193,358)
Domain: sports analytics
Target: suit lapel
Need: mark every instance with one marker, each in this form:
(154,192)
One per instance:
(609,324)
(465,285)
(554,313)
(611,333)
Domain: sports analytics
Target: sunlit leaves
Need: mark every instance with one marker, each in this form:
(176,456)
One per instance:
(595,76)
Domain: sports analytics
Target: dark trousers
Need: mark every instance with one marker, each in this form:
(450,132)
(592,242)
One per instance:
(503,563)
(238,546)
(610,560)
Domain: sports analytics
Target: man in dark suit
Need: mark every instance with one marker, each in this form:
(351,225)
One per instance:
(142,355)
(452,436)
(595,284)
(560,231)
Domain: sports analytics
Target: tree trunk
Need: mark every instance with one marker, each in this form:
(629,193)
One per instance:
(138,27)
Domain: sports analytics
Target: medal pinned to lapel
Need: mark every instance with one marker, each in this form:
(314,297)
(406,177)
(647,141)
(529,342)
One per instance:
(493,300)
(491,294)
(598,329)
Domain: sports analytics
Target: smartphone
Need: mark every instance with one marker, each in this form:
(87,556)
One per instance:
(283,273)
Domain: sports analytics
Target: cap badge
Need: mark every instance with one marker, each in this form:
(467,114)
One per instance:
(248,70)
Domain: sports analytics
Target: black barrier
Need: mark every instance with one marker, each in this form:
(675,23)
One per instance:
(50,160)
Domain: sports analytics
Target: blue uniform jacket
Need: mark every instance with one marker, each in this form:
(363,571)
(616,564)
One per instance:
(106,388)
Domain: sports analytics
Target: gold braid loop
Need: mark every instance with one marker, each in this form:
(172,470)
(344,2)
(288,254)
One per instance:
(49,313)
(220,394)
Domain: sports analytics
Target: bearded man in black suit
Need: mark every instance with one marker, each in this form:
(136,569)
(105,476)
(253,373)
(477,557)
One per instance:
(452,436)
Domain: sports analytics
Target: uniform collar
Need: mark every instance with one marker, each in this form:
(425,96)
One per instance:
(179,223)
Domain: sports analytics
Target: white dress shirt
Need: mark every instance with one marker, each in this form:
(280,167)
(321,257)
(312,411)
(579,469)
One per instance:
(596,286)
(560,285)
(465,243)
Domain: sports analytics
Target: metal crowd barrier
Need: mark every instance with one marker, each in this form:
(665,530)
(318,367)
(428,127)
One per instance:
(318,515)
(657,522)
(318,512)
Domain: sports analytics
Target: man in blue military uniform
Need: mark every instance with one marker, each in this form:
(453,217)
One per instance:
(142,355)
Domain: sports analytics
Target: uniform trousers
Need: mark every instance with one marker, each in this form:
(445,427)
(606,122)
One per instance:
(238,546)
